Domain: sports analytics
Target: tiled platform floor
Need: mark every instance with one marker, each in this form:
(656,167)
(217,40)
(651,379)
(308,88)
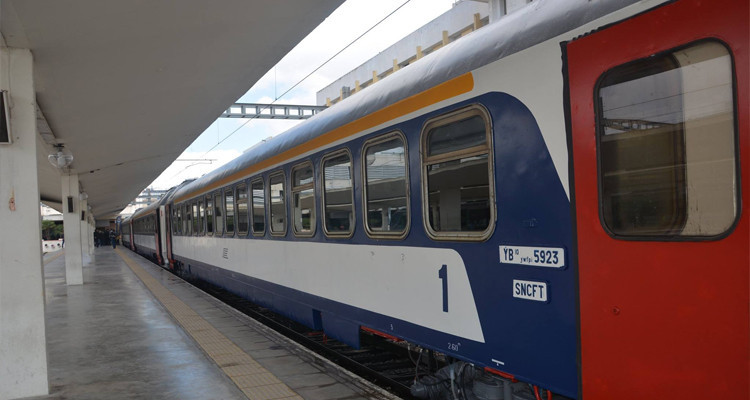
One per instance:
(113,338)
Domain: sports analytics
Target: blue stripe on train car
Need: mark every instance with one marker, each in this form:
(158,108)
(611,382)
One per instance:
(536,341)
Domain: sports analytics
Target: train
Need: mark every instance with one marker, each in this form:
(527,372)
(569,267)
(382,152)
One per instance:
(555,202)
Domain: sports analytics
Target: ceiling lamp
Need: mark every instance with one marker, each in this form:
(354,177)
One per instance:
(61,158)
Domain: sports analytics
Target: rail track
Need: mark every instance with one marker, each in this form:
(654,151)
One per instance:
(382,360)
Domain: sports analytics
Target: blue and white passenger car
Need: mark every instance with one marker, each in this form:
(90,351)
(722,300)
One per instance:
(540,199)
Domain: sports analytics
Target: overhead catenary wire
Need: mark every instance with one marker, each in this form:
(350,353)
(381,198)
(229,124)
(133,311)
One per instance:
(309,74)
(296,84)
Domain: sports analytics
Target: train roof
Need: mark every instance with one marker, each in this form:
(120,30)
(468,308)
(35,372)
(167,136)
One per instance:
(537,22)
(164,199)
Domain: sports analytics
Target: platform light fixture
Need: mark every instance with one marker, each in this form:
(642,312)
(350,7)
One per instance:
(61,158)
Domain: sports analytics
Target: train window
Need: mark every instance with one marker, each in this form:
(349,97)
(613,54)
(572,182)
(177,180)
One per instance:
(386,187)
(259,207)
(219,215)
(458,189)
(303,199)
(185,222)
(278,204)
(189,213)
(173,221)
(197,219)
(666,136)
(338,204)
(242,224)
(209,215)
(229,210)
(203,219)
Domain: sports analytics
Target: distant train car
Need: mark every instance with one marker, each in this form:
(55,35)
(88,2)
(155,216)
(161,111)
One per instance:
(147,227)
(146,232)
(555,199)
(126,233)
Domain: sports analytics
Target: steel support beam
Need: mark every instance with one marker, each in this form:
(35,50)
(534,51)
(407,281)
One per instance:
(271,111)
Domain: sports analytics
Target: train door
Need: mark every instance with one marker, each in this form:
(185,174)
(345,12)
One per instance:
(131,234)
(168,213)
(160,229)
(659,133)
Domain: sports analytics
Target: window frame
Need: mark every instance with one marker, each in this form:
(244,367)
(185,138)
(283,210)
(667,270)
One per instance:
(425,161)
(185,220)
(217,195)
(194,211)
(252,206)
(209,213)
(201,201)
(353,227)
(177,225)
(286,202)
(363,152)
(237,187)
(224,191)
(295,189)
(598,115)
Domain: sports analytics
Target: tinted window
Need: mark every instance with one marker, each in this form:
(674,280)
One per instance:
(186,221)
(229,210)
(278,205)
(178,226)
(242,223)
(338,195)
(303,199)
(458,175)
(667,144)
(259,208)
(209,215)
(189,208)
(219,214)
(198,218)
(386,186)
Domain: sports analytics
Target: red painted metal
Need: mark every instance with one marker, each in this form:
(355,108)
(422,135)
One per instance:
(381,334)
(660,319)
(168,233)
(501,373)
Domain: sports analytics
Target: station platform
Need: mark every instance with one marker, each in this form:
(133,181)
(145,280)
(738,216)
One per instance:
(135,331)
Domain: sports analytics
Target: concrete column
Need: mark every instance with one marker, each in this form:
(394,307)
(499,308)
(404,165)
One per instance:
(23,352)
(72,228)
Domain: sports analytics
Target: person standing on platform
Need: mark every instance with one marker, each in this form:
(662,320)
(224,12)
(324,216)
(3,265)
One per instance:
(113,239)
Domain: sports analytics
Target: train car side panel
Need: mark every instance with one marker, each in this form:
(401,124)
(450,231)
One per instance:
(664,300)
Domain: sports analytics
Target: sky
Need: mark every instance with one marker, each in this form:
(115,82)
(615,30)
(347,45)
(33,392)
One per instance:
(350,20)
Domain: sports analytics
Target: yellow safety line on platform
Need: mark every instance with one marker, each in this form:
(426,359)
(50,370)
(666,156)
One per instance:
(53,258)
(255,381)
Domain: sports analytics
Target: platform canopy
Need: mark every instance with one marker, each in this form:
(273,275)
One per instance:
(126,86)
